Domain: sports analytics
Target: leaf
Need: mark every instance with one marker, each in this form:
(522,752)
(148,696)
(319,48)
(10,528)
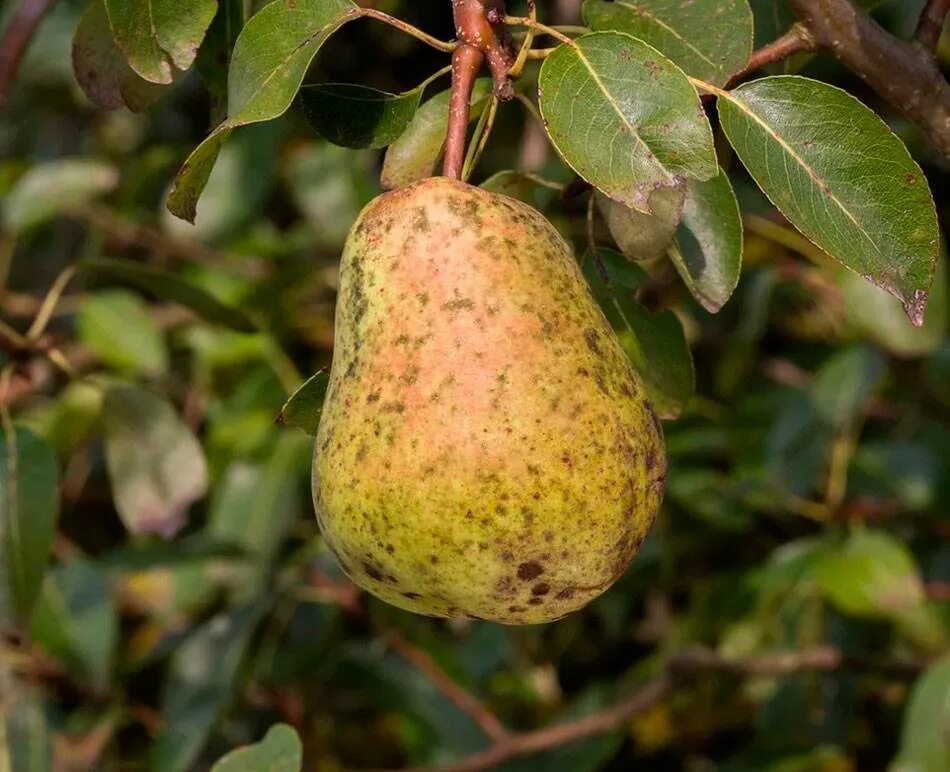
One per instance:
(48,189)
(925,741)
(844,383)
(624,117)
(255,503)
(159,36)
(26,742)
(878,316)
(200,683)
(268,64)
(76,620)
(214,56)
(168,286)
(117,326)
(102,70)
(709,39)
(414,155)
(279,751)
(708,247)
(643,236)
(871,575)
(155,463)
(655,343)
(839,174)
(303,409)
(358,116)
(29,504)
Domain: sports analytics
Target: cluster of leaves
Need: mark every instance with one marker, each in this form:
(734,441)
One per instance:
(165,594)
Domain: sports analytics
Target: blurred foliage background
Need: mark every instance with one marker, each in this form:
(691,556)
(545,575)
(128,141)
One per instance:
(189,604)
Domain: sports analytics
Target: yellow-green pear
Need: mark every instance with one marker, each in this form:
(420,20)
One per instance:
(485,450)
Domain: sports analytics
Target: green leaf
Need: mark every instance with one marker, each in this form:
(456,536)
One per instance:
(925,741)
(642,236)
(879,317)
(255,503)
(279,751)
(268,65)
(76,620)
(155,463)
(358,116)
(159,36)
(102,70)
(414,155)
(872,575)
(201,680)
(708,248)
(48,189)
(655,343)
(843,385)
(29,503)
(168,286)
(117,326)
(839,174)
(624,117)
(26,741)
(303,409)
(709,39)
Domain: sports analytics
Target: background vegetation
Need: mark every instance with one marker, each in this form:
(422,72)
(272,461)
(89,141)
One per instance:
(789,611)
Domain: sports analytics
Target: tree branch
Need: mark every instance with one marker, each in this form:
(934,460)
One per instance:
(903,73)
(931,23)
(16,40)
(792,42)
(682,667)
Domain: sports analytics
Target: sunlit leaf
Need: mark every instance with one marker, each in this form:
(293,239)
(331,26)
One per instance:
(269,62)
(155,463)
(624,117)
(48,189)
(117,326)
(159,36)
(303,408)
(708,248)
(839,174)
(709,39)
(356,116)
(279,751)
(414,155)
(29,503)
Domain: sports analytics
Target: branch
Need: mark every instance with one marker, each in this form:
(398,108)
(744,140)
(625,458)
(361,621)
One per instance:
(682,667)
(797,39)
(931,23)
(903,73)
(16,40)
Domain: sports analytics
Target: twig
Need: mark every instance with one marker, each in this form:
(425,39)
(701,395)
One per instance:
(466,62)
(16,40)
(417,33)
(902,72)
(682,667)
(797,39)
(487,721)
(931,23)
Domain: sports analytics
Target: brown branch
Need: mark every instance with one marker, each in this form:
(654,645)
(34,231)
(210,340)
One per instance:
(797,39)
(931,23)
(487,721)
(466,62)
(16,40)
(682,667)
(902,72)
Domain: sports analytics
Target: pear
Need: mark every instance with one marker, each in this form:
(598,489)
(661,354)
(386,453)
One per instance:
(486,450)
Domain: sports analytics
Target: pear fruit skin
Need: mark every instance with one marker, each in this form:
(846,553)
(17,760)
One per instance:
(485,450)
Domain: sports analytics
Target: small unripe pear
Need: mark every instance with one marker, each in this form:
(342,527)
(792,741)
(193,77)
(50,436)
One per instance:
(486,450)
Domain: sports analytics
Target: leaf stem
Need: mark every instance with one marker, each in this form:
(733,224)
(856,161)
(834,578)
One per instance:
(526,44)
(441,45)
(433,78)
(525,21)
(48,307)
(480,139)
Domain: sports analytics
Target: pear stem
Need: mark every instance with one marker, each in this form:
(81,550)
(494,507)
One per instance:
(483,37)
